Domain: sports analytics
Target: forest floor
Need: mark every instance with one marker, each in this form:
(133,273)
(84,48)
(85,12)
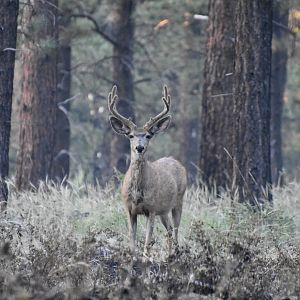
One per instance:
(71,243)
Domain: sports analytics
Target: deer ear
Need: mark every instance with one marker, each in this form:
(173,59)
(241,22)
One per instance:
(118,126)
(160,125)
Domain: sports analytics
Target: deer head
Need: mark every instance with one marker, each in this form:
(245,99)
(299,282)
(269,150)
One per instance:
(139,137)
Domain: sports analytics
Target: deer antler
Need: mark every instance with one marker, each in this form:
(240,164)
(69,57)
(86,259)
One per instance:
(167,102)
(112,99)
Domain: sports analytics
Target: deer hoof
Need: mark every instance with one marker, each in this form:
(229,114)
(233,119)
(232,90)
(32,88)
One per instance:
(134,258)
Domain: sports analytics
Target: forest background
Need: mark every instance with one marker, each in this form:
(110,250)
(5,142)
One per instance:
(169,47)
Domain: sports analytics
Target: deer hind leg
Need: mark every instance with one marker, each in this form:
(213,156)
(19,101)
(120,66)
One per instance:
(176,217)
(167,224)
(149,231)
(132,224)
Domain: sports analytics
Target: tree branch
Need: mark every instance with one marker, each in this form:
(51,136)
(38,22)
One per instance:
(285,28)
(97,28)
(143,47)
(146,79)
(93,63)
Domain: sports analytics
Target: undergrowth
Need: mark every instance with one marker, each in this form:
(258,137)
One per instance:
(70,242)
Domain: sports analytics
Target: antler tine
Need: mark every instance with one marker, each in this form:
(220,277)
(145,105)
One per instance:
(167,102)
(112,99)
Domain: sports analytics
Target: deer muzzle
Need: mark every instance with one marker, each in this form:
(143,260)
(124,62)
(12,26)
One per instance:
(139,149)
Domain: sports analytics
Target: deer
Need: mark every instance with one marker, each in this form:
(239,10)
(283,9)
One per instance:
(149,188)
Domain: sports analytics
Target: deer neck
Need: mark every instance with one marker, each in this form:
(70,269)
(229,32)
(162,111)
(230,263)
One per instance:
(137,169)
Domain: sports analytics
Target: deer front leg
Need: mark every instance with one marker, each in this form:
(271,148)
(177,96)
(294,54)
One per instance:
(176,216)
(132,224)
(149,231)
(167,224)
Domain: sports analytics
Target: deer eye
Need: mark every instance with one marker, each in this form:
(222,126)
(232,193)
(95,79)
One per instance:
(131,136)
(148,136)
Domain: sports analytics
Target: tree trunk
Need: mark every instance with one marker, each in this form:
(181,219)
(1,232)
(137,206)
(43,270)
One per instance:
(217,100)
(61,162)
(8,36)
(123,28)
(279,76)
(253,31)
(38,101)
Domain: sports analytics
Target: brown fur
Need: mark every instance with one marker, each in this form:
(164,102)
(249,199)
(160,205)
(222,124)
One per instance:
(152,189)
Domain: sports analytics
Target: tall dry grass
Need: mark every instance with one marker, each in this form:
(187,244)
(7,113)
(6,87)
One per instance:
(70,242)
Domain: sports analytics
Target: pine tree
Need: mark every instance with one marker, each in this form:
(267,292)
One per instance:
(8,38)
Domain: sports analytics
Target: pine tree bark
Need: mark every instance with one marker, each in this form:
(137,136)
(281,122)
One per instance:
(8,36)
(217,99)
(123,28)
(61,161)
(253,32)
(279,77)
(38,101)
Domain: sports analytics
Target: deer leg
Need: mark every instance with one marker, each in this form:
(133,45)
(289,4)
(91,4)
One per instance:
(132,224)
(149,231)
(176,217)
(167,224)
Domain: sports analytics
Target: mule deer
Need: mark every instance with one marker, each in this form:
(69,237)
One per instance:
(150,188)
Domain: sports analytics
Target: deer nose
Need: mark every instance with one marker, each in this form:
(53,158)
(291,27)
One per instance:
(139,148)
